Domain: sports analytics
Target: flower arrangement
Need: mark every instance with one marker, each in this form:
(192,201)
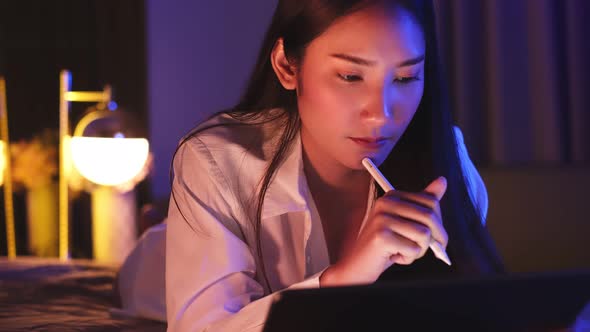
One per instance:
(34,162)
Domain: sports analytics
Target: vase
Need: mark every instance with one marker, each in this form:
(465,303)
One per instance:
(42,220)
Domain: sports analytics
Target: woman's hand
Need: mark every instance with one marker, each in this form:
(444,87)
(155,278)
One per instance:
(398,231)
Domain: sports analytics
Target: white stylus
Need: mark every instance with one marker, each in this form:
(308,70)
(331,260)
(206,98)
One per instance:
(436,247)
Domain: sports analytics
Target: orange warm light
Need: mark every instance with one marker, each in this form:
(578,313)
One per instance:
(2,162)
(109,161)
(5,172)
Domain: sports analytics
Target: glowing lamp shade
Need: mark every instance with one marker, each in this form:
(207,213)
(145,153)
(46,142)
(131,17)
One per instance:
(109,161)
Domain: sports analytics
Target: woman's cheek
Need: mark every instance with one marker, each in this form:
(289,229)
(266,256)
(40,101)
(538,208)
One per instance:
(337,97)
(412,96)
(406,106)
(418,92)
(318,92)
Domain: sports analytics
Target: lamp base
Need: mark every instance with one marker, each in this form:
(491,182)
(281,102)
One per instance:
(114,224)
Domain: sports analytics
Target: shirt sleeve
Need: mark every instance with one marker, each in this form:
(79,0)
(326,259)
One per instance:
(210,270)
(475,185)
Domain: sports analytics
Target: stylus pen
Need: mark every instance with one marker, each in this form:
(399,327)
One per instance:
(436,247)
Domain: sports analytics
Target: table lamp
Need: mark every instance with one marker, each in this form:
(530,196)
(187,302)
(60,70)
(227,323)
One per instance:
(107,149)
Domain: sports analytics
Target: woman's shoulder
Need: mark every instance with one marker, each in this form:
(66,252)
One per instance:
(226,133)
(229,149)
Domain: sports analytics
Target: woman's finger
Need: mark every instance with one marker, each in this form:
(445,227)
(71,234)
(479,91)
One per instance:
(410,211)
(424,199)
(437,188)
(413,231)
(399,245)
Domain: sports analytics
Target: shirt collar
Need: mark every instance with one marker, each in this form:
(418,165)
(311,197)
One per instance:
(288,191)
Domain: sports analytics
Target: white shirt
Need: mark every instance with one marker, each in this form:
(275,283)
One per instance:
(213,278)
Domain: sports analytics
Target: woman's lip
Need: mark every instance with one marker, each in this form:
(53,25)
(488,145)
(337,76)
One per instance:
(371,139)
(370,142)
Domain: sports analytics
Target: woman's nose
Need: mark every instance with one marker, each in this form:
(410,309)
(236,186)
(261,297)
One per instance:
(377,108)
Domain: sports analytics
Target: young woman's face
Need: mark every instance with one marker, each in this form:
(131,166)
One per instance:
(360,84)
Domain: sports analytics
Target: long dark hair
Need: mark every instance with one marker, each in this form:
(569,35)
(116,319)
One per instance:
(426,150)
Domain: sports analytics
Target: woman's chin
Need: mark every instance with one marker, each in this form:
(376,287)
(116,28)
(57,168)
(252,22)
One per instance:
(357,164)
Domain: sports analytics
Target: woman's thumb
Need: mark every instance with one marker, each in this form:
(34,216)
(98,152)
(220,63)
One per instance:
(437,187)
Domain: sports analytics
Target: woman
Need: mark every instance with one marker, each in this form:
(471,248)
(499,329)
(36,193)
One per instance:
(271,194)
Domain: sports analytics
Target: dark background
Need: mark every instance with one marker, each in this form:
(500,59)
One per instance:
(100,42)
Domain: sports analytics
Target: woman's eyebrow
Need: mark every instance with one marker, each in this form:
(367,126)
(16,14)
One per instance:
(412,61)
(365,62)
(354,59)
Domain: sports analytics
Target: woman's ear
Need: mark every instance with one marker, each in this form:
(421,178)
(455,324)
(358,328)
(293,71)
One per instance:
(285,71)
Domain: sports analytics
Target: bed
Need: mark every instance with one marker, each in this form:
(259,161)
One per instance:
(39,294)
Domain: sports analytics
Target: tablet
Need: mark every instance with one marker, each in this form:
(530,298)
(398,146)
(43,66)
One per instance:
(525,302)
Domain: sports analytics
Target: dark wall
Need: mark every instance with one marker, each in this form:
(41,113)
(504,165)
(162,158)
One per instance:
(200,54)
(538,216)
(99,41)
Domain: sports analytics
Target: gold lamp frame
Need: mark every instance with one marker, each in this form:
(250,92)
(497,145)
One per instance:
(8,204)
(66,96)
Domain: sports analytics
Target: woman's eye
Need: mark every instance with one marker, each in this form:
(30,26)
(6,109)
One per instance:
(406,80)
(350,77)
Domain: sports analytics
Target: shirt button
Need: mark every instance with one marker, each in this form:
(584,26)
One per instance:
(308,259)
